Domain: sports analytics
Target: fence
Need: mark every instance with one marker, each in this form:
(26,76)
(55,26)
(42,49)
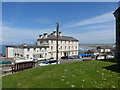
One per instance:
(22,66)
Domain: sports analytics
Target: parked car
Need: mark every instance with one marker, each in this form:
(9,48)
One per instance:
(76,57)
(71,57)
(35,60)
(100,57)
(49,62)
(64,57)
(110,56)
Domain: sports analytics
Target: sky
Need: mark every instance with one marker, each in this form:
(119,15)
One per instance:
(89,22)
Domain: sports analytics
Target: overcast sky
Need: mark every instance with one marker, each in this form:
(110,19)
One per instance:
(89,22)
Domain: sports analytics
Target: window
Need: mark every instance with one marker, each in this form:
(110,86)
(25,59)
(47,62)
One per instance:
(41,56)
(51,54)
(21,55)
(61,47)
(69,47)
(65,47)
(52,41)
(45,54)
(28,49)
(61,53)
(34,49)
(27,56)
(51,47)
(33,56)
(45,49)
(76,47)
(40,49)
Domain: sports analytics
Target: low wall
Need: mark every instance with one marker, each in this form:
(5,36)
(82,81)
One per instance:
(7,59)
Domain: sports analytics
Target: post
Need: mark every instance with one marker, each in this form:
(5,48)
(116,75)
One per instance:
(57,30)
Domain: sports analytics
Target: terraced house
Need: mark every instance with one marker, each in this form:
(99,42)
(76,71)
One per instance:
(67,46)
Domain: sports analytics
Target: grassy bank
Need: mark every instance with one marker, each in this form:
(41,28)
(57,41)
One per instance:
(87,74)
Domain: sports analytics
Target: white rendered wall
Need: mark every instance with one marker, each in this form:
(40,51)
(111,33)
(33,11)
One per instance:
(10,52)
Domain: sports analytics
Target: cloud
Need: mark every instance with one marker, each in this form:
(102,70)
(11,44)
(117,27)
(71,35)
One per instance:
(21,35)
(99,34)
(98,37)
(99,29)
(95,20)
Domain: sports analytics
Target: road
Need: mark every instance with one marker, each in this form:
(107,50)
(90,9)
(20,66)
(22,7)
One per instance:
(66,61)
(37,64)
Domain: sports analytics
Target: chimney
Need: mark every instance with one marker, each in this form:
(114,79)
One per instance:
(40,36)
(51,33)
(45,35)
(60,33)
(54,33)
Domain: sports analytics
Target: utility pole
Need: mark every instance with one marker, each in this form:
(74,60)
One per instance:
(57,30)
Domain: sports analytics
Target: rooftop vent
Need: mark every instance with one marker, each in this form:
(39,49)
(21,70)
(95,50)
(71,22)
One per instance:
(40,36)
(45,35)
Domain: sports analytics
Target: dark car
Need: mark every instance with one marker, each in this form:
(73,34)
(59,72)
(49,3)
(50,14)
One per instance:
(35,60)
(64,57)
(76,57)
(49,62)
(71,57)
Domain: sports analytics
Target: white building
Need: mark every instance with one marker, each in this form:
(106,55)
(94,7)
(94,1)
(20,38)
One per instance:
(104,49)
(45,48)
(26,52)
(67,46)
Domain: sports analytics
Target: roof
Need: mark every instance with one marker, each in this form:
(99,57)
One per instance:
(62,38)
(117,11)
(28,46)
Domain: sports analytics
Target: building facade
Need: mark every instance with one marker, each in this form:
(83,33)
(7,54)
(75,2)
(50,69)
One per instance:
(104,49)
(67,46)
(44,48)
(26,52)
(117,51)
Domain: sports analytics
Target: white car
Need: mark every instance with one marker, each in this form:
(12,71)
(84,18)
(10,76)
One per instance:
(100,57)
(49,62)
(110,56)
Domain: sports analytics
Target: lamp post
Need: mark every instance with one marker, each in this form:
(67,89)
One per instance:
(57,30)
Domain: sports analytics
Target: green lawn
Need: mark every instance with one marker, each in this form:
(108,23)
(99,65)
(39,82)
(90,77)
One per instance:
(87,74)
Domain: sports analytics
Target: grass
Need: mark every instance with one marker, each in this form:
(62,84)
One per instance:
(87,74)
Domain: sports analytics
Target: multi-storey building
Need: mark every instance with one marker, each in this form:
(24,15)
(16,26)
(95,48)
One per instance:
(117,51)
(67,46)
(45,48)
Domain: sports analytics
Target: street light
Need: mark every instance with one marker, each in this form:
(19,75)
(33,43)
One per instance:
(57,30)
